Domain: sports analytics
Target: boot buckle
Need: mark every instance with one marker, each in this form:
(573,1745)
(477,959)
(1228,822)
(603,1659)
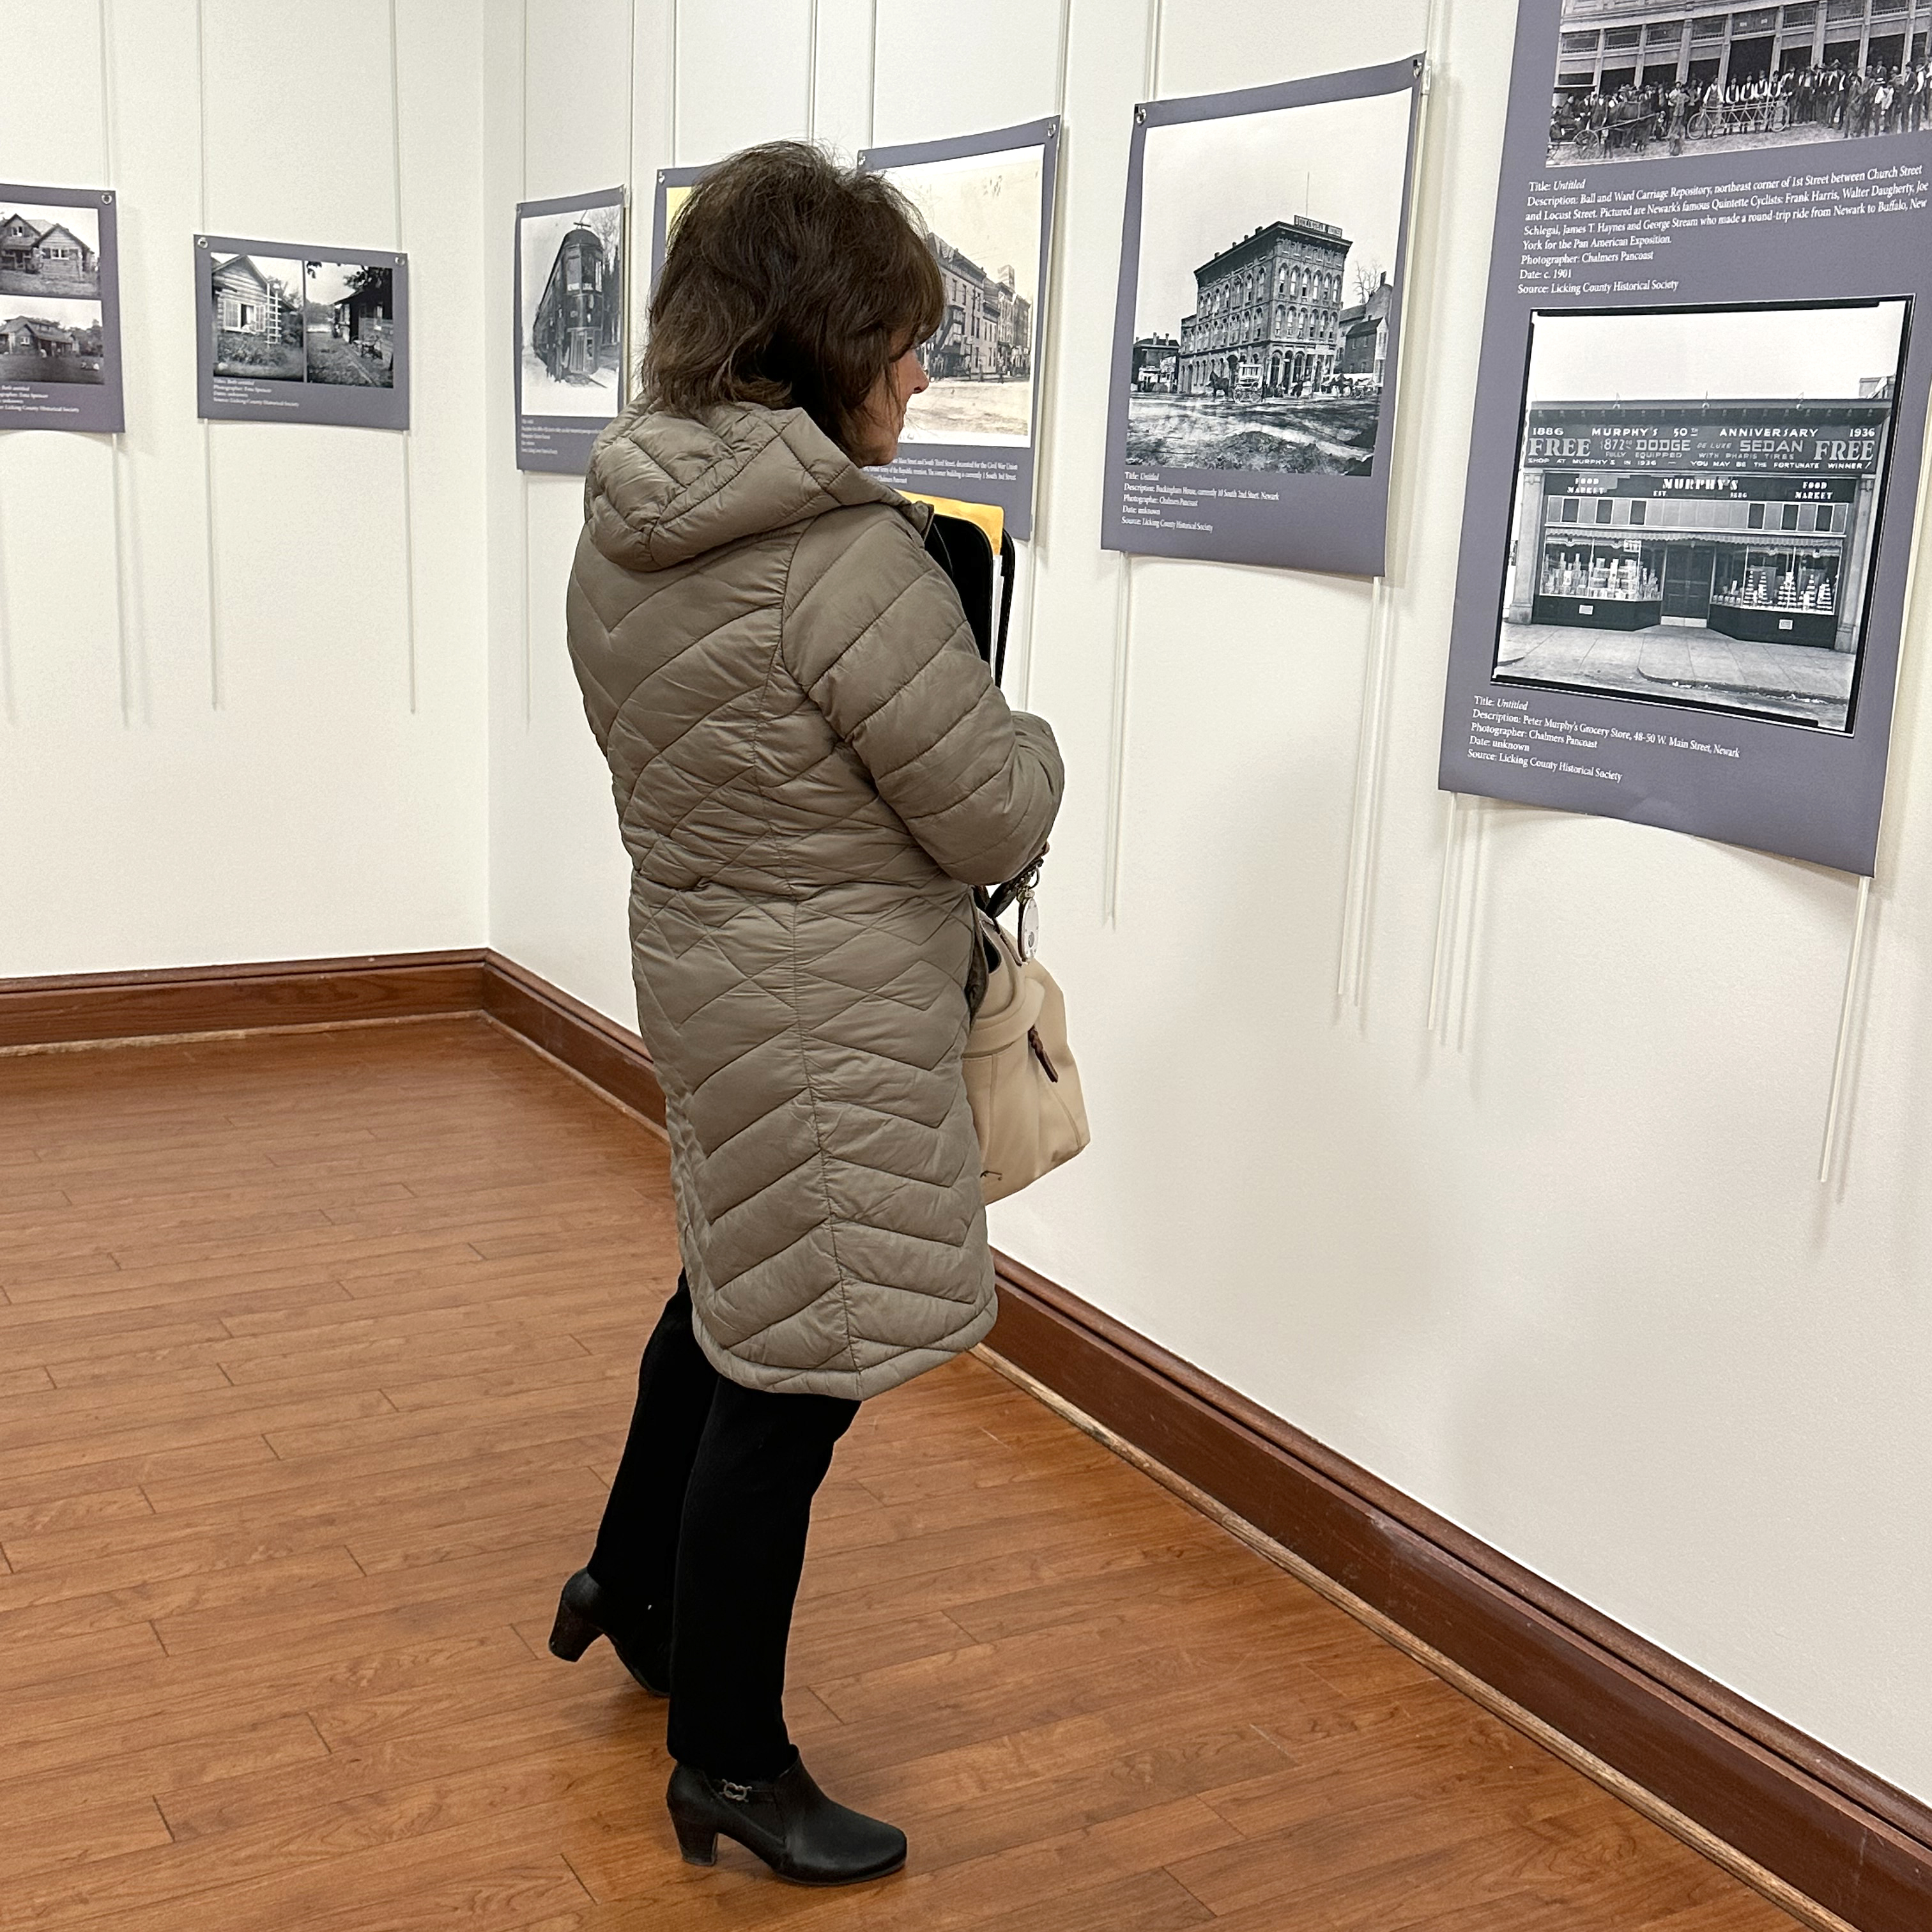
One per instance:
(739,1794)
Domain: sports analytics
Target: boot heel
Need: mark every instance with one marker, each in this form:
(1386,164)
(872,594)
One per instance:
(698,1841)
(572,1634)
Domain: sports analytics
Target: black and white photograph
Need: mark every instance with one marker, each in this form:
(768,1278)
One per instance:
(50,251)
(1258,324)
(573,313)
(349,323)
(257,304)
(1698,502)
(987,202)
(59,347)
(52,341)
(984,214)
(1262,321)
(289,333)
(570,326)
(1638,79)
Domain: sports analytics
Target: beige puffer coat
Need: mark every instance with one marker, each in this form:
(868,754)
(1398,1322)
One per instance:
(811,766)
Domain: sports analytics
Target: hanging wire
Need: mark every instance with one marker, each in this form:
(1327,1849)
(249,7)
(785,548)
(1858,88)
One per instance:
(1847,1008)
(524,475)
(115,446)
(214,694)
(1049,342)
(1123,626)
(1378,670)
(409,435)
(811,73)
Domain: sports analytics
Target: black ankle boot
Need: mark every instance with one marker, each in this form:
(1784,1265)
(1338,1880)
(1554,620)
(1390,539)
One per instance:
(585,1612)
(790,1823)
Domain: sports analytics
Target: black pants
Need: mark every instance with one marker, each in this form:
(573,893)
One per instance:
(705,1532)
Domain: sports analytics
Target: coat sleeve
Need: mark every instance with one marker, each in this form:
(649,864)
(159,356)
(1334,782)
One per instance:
(874,634)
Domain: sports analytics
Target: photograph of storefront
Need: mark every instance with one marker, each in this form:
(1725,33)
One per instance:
(1706,551)
(1631,74)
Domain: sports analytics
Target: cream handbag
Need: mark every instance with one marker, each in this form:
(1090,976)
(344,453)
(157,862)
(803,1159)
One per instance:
(1020,1074)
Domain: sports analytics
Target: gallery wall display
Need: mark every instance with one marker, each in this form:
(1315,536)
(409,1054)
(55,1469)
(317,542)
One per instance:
(1257,332)
(287,332)
(987,200)
(570,336)
(1700,411)
(60,309)
(674,190)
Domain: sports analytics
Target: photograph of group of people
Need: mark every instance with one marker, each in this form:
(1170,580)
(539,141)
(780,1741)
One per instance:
(1814,104)
(1628,83)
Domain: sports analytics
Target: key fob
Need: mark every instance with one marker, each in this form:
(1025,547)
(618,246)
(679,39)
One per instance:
(1029,927)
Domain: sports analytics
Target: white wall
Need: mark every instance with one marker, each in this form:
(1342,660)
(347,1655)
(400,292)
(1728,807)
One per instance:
(1564,1276)
(312,812)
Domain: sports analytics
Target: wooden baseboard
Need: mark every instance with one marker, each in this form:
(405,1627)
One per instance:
(610,1057)
(1831,1831)
(82,1008)
(1827,1828)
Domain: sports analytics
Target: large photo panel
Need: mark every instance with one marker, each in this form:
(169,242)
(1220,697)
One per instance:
(1700,422)
(1258,326)
(60,314)
(987,201)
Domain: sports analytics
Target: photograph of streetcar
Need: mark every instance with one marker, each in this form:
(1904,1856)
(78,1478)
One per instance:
(1637,79)
(572,331)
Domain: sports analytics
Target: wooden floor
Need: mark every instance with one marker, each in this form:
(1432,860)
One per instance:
(316,1355)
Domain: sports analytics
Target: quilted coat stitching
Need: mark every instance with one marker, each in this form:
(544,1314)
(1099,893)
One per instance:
(799,933)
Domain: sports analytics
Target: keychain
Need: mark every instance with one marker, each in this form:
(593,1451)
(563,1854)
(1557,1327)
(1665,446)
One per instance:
(1029,918)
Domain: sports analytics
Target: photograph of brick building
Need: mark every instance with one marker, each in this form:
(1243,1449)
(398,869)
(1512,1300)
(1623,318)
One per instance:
(1266,373)
(984,212)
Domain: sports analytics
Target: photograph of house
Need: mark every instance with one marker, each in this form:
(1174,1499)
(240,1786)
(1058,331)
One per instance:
(572,326)
(1156,370)
(1262,236)
(49,251)
(349,323)
(985,215)
(257,304)
(51,342)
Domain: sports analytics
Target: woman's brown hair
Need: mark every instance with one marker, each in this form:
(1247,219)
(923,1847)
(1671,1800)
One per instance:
(793,282)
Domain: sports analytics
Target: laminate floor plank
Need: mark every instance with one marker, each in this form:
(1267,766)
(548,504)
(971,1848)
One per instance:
(316,1352)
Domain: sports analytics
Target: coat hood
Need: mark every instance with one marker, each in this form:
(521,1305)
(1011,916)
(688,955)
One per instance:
(664,489)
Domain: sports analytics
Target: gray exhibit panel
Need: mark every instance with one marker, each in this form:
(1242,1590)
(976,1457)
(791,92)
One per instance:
(288,332)
(1251,413)
(60,309)
(1693,469)
(989,200)
(673,185)
(572,258)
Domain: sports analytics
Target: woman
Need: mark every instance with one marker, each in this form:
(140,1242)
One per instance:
(812,768)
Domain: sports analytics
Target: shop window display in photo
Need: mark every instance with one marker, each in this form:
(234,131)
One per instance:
(1697,505)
